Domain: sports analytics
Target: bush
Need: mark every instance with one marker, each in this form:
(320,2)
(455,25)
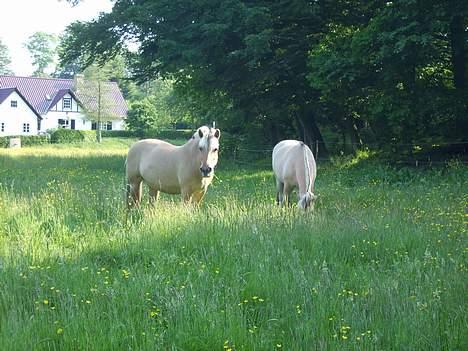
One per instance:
(67,136)
(26,140)
(118,134)
(159,134)
(89,135)
(171,134)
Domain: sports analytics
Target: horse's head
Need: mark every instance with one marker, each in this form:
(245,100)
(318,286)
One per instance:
(208,144)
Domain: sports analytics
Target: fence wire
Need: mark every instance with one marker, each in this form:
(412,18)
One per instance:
(261,156)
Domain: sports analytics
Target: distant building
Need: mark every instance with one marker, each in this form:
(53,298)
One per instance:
(31,105)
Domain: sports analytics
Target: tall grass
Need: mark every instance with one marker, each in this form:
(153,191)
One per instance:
(380,264)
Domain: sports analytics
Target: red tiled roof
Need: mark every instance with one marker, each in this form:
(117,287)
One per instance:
(40,92)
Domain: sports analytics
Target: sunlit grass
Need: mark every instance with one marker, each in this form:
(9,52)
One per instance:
(380,264)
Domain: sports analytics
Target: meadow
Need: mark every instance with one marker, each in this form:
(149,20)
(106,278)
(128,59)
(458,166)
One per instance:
(381,264)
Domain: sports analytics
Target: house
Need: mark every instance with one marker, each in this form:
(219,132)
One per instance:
(32,105)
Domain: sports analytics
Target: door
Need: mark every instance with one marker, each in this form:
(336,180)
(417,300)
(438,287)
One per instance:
(72,124)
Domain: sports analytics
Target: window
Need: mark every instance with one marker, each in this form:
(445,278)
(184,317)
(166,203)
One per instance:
(103,125)
(2,127)
(63,123)
(25,127)
(14,103)
(67,103)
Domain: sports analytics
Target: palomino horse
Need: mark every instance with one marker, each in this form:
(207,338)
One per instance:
(294,166)
(186,169)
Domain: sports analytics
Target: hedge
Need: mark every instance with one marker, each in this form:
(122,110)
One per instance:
(63,135)
(160,134)
(26,140)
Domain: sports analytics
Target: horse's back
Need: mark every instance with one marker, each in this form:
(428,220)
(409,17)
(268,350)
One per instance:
(145,151)
(286,154)
(288,159)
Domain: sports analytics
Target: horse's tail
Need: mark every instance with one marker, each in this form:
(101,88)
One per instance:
(126,184)
(306,168)
(309,196)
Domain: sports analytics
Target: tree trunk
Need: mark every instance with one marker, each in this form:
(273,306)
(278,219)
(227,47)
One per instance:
(311,132)
(98,127)
(458,51)
(352,139)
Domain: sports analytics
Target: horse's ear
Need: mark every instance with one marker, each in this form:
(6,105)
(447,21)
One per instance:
(217,133)
(200,133)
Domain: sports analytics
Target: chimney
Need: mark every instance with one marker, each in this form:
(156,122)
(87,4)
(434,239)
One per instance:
(77,81)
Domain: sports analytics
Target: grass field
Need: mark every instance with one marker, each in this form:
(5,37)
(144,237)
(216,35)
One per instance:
(380,265)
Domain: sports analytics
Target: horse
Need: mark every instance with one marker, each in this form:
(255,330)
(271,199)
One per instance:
(294,166)
(187,170)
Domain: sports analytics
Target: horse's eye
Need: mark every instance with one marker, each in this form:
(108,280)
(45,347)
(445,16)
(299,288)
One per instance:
(200,148)
(215,150)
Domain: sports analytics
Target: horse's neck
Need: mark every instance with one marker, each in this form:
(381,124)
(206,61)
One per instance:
(188,151)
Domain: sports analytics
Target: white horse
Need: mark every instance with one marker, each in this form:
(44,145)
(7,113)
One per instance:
(187,170)
(294,166)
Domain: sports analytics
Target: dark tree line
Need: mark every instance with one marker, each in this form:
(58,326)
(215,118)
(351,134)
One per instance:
(354,72)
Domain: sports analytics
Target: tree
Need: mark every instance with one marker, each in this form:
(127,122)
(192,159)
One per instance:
(252,55)
(94,90)
(5,60)
(393,72)
(371,71)
(42,48)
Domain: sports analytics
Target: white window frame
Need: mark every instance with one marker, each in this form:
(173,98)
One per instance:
(66,123)
(14,103)
(26,127)
(69,101)
(2,127)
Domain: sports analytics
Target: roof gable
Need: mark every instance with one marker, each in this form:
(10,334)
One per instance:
(6,92)
(60,94)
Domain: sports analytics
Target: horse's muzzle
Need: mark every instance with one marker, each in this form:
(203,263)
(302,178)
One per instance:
(206,171)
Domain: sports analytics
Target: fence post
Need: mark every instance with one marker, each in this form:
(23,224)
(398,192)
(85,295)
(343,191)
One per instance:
(316,149)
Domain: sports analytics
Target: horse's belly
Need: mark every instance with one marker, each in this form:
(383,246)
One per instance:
(169,187)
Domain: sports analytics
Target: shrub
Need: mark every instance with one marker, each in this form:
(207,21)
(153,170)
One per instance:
(67,136)
(26,140)
(118,134)
(171,134)
(88,135)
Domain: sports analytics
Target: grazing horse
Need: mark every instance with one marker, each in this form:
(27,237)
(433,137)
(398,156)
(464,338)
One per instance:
(294,166)
(185,170)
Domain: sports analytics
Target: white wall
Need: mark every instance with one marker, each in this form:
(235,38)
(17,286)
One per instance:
(15,117)
(51,119)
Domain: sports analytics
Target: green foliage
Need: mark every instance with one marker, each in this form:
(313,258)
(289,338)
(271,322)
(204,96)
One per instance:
(366,73)
(142,116)
(26,140)
(5,59)
(118,134)
(42,48)
(390,76)
(63,135)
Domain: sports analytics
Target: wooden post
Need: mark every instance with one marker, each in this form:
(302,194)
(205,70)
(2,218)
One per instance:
(316,149)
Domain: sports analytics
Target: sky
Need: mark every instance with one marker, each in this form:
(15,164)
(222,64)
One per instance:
(22,18)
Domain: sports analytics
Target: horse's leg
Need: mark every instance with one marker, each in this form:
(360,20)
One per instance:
(286,192)
(279,192)
(186,195)
(197,197)
(134,192)
(153,196)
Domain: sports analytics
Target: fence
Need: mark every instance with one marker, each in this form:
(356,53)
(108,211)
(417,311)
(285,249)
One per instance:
(261,156)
